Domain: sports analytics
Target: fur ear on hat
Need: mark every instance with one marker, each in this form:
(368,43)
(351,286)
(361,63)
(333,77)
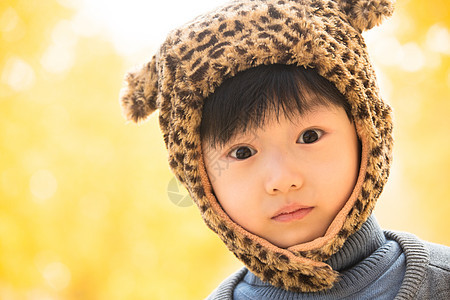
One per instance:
(138,97)
(365,14)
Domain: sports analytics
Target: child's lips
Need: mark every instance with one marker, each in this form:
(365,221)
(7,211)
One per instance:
(292,213)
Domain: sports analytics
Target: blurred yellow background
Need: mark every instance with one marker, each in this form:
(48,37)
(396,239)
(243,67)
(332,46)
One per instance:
(84,206)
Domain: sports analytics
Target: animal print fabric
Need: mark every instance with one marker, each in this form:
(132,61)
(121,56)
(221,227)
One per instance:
(197,57)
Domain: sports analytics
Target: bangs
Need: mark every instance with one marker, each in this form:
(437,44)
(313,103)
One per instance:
(253,97)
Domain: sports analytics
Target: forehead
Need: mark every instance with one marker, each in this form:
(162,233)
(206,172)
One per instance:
(318,114)
(312,109)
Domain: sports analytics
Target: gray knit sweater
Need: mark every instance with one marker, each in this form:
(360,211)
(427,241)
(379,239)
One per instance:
(427,274)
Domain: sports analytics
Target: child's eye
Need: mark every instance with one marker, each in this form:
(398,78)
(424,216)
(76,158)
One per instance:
(310,136)
(242,152)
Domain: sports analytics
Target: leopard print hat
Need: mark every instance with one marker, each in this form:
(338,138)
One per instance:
(197,57)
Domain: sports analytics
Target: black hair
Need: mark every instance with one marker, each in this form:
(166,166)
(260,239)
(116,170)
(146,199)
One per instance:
(247,100)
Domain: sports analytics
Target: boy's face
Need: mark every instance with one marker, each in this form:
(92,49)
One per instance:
(286,181)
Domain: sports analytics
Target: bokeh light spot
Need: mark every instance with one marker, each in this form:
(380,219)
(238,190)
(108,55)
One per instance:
(38,294)
(57,275)
(18,74)
(387,51)
(73,4)
(8,20)
(84,25)
(60,55)
(43,184)
(438,39)
(413,57)
(57,58)
(63,34)
(11,26)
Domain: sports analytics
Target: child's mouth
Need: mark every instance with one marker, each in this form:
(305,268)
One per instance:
(292,213)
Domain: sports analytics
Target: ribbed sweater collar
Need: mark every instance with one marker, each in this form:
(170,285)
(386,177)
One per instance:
(362,259)
(358,246)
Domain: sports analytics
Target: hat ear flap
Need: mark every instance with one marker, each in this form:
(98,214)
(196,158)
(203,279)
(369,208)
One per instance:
(138,97)
(365,14)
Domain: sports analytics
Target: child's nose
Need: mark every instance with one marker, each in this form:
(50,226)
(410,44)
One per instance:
(283,175)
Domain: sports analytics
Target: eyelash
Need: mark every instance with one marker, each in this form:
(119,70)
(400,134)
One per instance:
(318,131)
(232,153)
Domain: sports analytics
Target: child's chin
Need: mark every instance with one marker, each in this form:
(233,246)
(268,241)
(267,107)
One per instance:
(287,243)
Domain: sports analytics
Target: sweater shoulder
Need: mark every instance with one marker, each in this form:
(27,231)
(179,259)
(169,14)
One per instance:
(437,282)
(435,255)
(225,289)
(439,256)
(428,268)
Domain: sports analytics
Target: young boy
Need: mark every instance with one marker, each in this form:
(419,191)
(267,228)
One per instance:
(273,122)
